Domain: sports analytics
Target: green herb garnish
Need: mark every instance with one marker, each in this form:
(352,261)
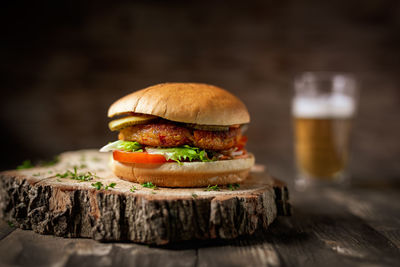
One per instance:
(133,188)
(212,188)
(63,175)
(233,187)
(194,195)
(74,175)
(111,185)
(150,185)
(11,224)
(27,164)
(36,174)
(99,186)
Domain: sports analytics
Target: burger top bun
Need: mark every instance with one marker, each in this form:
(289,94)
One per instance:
(196,103)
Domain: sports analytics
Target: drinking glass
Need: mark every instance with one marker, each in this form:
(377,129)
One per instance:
(323,108)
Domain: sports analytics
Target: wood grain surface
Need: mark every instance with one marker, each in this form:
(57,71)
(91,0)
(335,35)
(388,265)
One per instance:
(358,226)
(55,200)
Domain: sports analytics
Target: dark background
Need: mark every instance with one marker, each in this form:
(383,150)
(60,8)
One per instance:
(62,65)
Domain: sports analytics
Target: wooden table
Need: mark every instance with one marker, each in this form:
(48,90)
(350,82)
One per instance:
(359,226)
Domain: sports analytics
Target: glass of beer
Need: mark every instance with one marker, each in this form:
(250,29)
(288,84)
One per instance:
(323,107)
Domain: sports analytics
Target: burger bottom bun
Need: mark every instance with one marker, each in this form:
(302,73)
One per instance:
(187,174)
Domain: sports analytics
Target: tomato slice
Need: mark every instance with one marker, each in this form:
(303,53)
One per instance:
(242,142)
(137,157)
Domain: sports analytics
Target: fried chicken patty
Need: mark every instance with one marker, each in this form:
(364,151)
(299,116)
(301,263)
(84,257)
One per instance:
(172,135)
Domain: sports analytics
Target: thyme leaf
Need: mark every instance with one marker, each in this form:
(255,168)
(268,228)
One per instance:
(212,188)
(150,185)
(133,188)
(74,175)
(99,186)
(26,164)
(111,185)
(233,187)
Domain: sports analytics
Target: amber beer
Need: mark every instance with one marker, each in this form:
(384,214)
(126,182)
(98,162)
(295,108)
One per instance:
(323,109)
(322,134)
(322,146)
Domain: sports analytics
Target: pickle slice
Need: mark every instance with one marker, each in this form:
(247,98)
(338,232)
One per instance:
(118,124)
(208,127)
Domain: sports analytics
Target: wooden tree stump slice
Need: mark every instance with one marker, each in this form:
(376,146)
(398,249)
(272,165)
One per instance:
(37,199)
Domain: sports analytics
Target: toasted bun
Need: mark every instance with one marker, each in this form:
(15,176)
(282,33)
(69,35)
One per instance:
(188,174)
(185,102)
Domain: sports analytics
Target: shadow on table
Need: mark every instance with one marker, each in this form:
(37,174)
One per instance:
(280,231)
(381,183)
(318,220)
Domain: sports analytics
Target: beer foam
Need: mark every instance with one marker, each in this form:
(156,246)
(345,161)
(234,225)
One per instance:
(335,106)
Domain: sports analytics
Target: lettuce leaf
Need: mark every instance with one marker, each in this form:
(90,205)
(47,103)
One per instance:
(177,154)
(180,153)
(122,145)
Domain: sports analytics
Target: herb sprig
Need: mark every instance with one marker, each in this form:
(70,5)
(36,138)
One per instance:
(99,186)
(74,175)
(150,185)
(133,188)
(233,187)
(212,188)
(26,164)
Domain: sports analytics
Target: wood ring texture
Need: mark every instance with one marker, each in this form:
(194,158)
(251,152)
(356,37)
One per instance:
(39,200)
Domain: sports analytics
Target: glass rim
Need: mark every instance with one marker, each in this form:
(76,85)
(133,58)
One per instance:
(317,78)
(325,75)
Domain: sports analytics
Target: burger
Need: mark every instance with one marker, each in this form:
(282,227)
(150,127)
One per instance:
(180,135)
